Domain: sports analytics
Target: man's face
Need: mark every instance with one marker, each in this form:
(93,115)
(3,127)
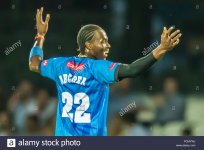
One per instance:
(99,46)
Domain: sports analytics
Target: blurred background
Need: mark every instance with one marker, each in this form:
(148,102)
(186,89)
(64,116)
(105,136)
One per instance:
(166,100)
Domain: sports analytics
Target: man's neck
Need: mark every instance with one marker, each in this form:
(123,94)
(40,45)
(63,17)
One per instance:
(87,56)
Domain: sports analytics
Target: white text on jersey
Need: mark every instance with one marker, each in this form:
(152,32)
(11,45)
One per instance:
(72,79)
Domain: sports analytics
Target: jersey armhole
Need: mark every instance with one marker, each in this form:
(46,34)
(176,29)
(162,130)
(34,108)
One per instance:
(116,73)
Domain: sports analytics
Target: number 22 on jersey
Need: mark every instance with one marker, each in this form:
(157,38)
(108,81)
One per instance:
(79,116)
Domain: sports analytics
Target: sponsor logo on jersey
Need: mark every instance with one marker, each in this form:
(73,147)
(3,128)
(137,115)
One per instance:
(45,63)
(74,66)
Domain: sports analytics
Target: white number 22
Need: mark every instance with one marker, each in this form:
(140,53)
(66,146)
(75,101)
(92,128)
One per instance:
(80,115)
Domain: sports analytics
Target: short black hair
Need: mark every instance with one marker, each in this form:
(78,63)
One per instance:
(86,33)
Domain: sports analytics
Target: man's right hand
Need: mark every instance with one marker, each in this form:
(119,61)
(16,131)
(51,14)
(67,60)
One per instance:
(42,26)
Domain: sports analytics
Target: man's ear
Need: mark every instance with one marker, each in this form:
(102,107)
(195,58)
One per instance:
(88,45)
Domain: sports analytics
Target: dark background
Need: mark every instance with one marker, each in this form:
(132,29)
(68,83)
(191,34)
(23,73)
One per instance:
(131,27)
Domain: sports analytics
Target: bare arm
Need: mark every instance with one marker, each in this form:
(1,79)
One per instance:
(168,41)
(42,28)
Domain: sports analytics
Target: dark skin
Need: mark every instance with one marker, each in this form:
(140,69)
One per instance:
(42,28)
(98,47)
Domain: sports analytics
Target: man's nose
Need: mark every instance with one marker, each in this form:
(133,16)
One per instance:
(108,45)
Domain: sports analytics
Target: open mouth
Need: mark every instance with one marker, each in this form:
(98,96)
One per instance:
(106,53)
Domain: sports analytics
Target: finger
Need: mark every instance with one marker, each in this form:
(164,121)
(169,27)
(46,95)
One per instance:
(47,18)
(37,12)
(41,12)
(176,42)
(170,30)
(174,34)
(37,15)
(164,32)
(176,37)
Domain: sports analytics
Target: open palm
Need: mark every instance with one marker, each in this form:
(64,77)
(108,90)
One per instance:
(42,26)
(170,39)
